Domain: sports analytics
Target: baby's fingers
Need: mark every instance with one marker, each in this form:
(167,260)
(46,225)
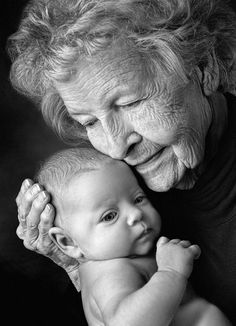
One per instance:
(196,251)
(185,243)
(162,241)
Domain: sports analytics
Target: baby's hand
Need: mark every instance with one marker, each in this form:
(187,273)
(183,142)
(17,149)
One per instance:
(176,255)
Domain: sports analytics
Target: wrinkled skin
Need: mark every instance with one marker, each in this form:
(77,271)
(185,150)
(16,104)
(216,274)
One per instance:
(161,134)
(127,118)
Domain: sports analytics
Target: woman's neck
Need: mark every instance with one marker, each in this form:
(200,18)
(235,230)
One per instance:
(219,109)
(219,121)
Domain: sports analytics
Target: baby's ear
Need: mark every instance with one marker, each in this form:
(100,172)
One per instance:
(65,243)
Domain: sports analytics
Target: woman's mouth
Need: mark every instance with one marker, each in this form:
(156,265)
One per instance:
(150,159)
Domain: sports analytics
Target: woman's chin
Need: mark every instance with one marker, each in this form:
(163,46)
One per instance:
(165,182)
(188,181)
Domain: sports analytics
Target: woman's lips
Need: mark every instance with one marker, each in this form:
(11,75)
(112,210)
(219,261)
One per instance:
(150,159)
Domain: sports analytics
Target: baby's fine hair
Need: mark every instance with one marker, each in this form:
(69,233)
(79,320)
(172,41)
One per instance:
(59,169)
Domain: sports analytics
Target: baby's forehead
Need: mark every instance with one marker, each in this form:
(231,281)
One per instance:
(107,170)
(116,166)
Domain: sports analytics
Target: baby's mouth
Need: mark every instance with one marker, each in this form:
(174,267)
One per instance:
(146,230)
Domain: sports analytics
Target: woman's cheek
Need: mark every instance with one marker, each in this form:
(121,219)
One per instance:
(98,140)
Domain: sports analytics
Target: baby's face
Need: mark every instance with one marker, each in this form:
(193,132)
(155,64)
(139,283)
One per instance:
(109,215)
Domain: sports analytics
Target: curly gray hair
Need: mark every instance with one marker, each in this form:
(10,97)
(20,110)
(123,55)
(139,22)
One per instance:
(175,35)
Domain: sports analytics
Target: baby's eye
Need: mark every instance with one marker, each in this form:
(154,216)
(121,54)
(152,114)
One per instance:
(139,199)
(109,216)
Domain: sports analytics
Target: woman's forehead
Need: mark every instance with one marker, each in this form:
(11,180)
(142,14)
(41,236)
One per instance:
(103,75)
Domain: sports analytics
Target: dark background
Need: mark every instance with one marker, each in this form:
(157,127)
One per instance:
(33,290)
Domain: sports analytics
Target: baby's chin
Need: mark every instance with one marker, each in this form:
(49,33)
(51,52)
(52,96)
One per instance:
(144,250)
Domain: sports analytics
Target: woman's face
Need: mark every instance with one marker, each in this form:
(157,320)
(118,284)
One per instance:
(160,133)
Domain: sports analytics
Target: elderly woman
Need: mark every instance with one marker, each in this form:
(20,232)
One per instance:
(147,82)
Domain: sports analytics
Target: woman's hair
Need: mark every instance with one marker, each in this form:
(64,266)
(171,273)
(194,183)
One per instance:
(171,36)
(56,172)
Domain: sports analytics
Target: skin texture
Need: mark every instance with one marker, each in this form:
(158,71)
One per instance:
(179,128)
(111,227)
(130,291)
(110,218)
(160,132)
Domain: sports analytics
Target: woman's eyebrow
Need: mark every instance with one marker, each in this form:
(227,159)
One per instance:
(75,113)
(119,93)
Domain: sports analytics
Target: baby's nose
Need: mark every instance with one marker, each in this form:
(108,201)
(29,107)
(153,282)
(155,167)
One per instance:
(135,215)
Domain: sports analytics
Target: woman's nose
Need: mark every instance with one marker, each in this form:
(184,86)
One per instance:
(134,215)
(120,140)
(121,146)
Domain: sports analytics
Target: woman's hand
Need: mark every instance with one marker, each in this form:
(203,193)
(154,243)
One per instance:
(36,216)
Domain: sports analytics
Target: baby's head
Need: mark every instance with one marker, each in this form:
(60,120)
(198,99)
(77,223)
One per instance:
(101,211)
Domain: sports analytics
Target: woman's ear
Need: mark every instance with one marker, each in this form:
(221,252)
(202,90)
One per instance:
(231,82)
(65,243)
(209,75)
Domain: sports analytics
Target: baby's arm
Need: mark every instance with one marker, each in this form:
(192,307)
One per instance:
(199,312)
(123,298)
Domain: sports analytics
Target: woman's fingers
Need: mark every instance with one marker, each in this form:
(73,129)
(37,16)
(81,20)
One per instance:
(34,218)
(26,184)
(20,232)
(46,223)
(25,200)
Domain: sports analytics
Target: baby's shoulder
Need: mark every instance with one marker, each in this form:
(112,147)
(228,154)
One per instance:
(135,271)
(112,268)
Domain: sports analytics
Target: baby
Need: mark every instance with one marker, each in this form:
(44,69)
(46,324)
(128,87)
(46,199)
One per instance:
(129,274)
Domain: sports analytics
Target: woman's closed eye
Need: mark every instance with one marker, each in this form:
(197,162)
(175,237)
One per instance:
(109,217)
(129,105)
(89,124)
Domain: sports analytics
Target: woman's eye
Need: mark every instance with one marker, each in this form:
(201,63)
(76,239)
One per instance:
(132,104)
(89,123)
(139,199)
(129,105)
(109,217)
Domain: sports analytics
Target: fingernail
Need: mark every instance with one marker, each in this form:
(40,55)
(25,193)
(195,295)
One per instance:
(35,189)
(21,218)
(48,208)
(27,183)
(42,195)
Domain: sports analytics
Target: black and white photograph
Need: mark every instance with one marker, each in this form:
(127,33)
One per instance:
(118,162)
